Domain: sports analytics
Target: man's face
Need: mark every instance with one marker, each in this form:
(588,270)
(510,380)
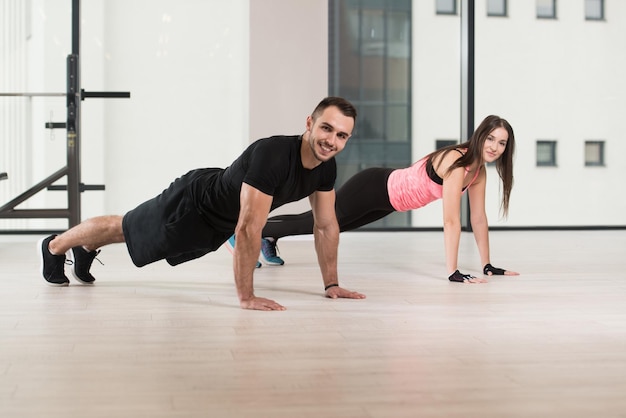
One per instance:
(329,133)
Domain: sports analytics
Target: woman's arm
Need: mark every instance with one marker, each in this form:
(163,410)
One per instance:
(452,188)
(478,216)
(480,225)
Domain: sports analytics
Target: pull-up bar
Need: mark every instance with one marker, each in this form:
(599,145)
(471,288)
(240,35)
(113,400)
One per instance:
(75,95)
(33,94)
(83,94)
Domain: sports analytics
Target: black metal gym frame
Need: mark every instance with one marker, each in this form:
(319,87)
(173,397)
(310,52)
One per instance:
(75,95)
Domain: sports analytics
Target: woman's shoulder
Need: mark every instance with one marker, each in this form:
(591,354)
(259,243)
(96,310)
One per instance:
(443,160)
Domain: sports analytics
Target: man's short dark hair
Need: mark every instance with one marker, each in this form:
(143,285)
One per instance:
(346,108)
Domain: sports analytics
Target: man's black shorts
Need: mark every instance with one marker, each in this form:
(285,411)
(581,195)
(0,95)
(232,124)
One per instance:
(170,227)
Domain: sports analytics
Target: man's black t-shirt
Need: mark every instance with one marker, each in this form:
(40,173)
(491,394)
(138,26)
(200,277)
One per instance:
(273,166)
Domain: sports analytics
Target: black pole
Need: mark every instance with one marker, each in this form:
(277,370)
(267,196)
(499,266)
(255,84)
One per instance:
(471,46)
(73,120)
(76,27)
(467,88)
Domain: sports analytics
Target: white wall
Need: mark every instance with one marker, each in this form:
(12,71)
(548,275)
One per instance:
(436,90)
(559,80)
(206,77)
(552,79)
(288,64)
(186,65)
(209,76)
(288,69)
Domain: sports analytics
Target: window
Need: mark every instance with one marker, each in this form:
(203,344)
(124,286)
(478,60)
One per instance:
(594,9)
(446,7)
(496,7)
(546,9)
(546,153)
(369,64)
(440,143)
(594,153)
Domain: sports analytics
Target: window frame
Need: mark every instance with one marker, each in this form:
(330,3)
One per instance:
(552,152)
(442,143)
(601,162)
(382,137)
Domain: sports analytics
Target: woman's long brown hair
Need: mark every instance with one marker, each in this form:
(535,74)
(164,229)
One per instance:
(475,145)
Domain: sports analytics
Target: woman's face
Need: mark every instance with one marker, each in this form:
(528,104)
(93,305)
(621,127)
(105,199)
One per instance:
(495,144)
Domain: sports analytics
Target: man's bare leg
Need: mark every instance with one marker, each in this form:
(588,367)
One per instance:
(90,234)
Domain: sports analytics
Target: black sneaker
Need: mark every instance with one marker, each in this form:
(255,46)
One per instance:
(52,266)
(81,260)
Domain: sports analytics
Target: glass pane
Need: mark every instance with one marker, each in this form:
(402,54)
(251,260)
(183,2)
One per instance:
(398,34)
(593,9)
(347,77)
(398,80)
(545,153)
(372,82)
(371,122)
(398,62)
(594,153)
(546,8)
(496,7)
(372,28)
(446,6)
(398,123)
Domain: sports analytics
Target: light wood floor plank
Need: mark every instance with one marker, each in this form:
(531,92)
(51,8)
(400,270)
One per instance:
(172,342)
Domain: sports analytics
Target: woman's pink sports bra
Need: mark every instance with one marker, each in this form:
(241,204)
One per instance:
(418,185)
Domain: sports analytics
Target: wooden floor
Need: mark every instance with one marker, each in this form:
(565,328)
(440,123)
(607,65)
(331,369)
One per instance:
(173,342)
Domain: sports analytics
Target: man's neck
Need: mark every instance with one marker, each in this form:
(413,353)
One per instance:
(306,153)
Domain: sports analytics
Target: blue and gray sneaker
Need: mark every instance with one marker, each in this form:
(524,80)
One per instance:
(230,246)
(268,253)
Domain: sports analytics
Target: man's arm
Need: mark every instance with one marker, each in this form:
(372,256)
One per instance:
(326,234)
(255,206)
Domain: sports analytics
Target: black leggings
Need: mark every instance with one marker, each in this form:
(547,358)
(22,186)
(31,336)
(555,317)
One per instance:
(363,199)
